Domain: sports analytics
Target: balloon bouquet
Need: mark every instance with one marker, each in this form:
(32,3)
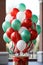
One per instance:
(21,29)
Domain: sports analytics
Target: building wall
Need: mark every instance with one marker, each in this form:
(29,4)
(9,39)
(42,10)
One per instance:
(2,17)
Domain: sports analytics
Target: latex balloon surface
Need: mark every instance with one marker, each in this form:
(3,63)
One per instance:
(21,7)
(27,23)
(34,34)
(22,29)
(28,14)
(5,25)
(25,35)
(6,39)
(34,18)
(8,17)
(21,16)
(9,32)
(15,37)
(16,24)
(21,45)
(38,28)
(14,12)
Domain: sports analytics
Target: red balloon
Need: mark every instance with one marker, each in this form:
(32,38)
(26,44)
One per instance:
(15,37)
(33,34)
(28,14)
(9,32)
(14,12)
(27,23)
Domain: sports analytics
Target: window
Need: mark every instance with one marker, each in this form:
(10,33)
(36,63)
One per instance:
(32,5)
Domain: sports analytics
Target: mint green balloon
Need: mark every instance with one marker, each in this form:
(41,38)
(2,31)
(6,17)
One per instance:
(16,24)
(5,38)
(6,25)
(21,7)
(34,41)
(25,35)
(38,28)
(34,19)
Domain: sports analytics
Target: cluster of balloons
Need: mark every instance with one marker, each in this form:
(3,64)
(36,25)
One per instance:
(20,27)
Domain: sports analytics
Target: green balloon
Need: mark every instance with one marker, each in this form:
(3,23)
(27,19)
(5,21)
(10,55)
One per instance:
(34,19)
(22,7)
(16,24)
(6,25)
(38,28)
(25,35)
(34,41)
(6,39)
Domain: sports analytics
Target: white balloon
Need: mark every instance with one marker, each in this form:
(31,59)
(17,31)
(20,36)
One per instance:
(22,29)
(21,16)
(11,45)
(8,17)
(21,45)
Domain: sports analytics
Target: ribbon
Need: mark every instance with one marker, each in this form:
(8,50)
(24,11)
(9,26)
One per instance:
(20,60)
